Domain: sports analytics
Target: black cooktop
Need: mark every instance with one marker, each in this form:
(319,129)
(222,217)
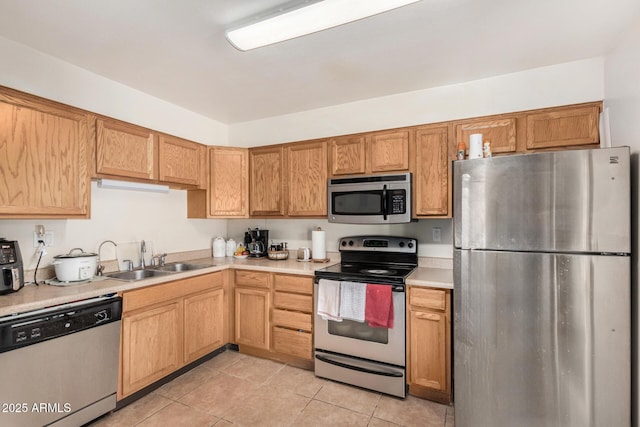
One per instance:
(374,273)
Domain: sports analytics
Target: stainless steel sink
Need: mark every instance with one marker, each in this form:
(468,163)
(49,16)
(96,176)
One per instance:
(136,274)
(180,266)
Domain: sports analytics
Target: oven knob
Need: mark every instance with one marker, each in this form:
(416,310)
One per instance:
(344,243)
(401,244)
(350,242)
(410,244)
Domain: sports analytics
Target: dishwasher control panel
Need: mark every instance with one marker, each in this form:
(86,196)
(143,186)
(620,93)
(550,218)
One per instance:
(30,328)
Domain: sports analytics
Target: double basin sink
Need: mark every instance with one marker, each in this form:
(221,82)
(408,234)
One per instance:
(163,270)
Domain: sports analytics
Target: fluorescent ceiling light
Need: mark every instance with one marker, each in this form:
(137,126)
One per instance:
(126,185)
(299,19)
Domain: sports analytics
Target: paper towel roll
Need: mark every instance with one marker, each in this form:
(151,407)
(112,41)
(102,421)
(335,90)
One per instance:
(475,146)
(318,244)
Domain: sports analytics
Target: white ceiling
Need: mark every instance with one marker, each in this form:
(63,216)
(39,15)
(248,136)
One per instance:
(176,49)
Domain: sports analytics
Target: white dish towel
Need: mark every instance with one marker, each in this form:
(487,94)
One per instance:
(353,296)
(329,300)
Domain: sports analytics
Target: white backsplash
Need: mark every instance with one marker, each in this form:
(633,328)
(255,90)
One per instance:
(297,233)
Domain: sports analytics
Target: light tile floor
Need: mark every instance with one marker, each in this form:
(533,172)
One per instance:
(235,389)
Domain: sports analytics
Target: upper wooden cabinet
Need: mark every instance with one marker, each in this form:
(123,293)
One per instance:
(565,126)
(227,195)
(347,155)
(267,181)
(126,150)
(431,174)
(45,152)
(229,181)
(181,161)
(499,131)
(388,151)
(307,178)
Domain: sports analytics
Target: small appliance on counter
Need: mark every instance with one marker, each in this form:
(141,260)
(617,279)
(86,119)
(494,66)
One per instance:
(77,265)
(257,242)
(12,278)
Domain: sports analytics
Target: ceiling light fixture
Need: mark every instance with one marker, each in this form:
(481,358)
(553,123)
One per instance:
(298,19)
(126,185)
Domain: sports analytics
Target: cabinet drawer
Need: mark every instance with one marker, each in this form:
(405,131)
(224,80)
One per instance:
(298,284)
(293,301)
(252,278)
(429,298)
(155,294)
(291,342)
(292,319)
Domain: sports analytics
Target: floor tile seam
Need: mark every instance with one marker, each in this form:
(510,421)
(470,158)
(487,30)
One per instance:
(153,413)
(343,407)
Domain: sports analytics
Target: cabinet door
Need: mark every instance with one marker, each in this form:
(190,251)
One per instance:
(123,149)
(44,153)
(574,125)
(307,178)
(151,346)
(203,324)
(252,317)
(431,176)
(499,131)
(347,155)
(181,161)
(266,184)
(428,342)
(389,151)
(229,181)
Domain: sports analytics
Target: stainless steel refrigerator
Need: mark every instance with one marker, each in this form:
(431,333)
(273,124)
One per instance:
(542,290)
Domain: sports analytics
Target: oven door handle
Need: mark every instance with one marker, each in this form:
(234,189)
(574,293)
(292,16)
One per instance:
(357,368)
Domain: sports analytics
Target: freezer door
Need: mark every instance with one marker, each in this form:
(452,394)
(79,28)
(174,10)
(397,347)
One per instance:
(564,201)
(541,339)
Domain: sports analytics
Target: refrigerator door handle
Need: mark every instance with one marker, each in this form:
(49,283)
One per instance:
(465,212)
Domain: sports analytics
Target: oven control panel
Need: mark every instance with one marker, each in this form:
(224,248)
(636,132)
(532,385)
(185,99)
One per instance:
(379,244)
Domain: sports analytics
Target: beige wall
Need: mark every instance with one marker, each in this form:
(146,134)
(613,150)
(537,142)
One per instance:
(622,97)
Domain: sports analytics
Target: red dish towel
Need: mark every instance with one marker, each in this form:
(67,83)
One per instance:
(378,311)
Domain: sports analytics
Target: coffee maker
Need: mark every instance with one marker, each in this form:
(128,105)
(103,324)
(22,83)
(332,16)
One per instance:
(256,241)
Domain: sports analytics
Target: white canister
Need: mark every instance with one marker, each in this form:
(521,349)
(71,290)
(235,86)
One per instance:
(231,247)
(218,247)
(475,146)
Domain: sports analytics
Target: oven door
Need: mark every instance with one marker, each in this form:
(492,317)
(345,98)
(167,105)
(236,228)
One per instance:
(359,339)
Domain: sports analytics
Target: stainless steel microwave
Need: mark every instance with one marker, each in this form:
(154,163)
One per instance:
(372,199)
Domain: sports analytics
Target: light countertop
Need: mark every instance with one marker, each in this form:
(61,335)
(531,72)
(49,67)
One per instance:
(33,297)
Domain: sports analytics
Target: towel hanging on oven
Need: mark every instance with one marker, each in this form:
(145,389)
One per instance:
(352,300)
(379,306)
(329,300)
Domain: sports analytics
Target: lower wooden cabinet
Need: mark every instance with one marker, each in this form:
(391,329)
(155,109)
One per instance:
(429,343)
(203,324)
(273,316)
(151,345)
(252,317)
(167,326)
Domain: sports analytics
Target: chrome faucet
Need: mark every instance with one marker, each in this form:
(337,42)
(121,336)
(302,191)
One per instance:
(143,251)
(158,260)
(100,267)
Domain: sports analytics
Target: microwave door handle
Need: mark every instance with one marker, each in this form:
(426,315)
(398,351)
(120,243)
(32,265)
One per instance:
(384,202)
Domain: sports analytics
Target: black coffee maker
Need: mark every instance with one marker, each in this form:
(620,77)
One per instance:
(256,242)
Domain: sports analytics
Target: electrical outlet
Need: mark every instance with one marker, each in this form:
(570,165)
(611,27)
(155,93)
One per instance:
(48,239)
(436,234)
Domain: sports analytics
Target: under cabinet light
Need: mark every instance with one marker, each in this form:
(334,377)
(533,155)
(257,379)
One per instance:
(301,18)
(127,185)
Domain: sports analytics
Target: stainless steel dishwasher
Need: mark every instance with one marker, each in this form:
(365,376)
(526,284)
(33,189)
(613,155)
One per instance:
(60,364)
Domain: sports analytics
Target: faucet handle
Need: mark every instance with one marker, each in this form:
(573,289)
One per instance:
(99,270)
(129,264)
